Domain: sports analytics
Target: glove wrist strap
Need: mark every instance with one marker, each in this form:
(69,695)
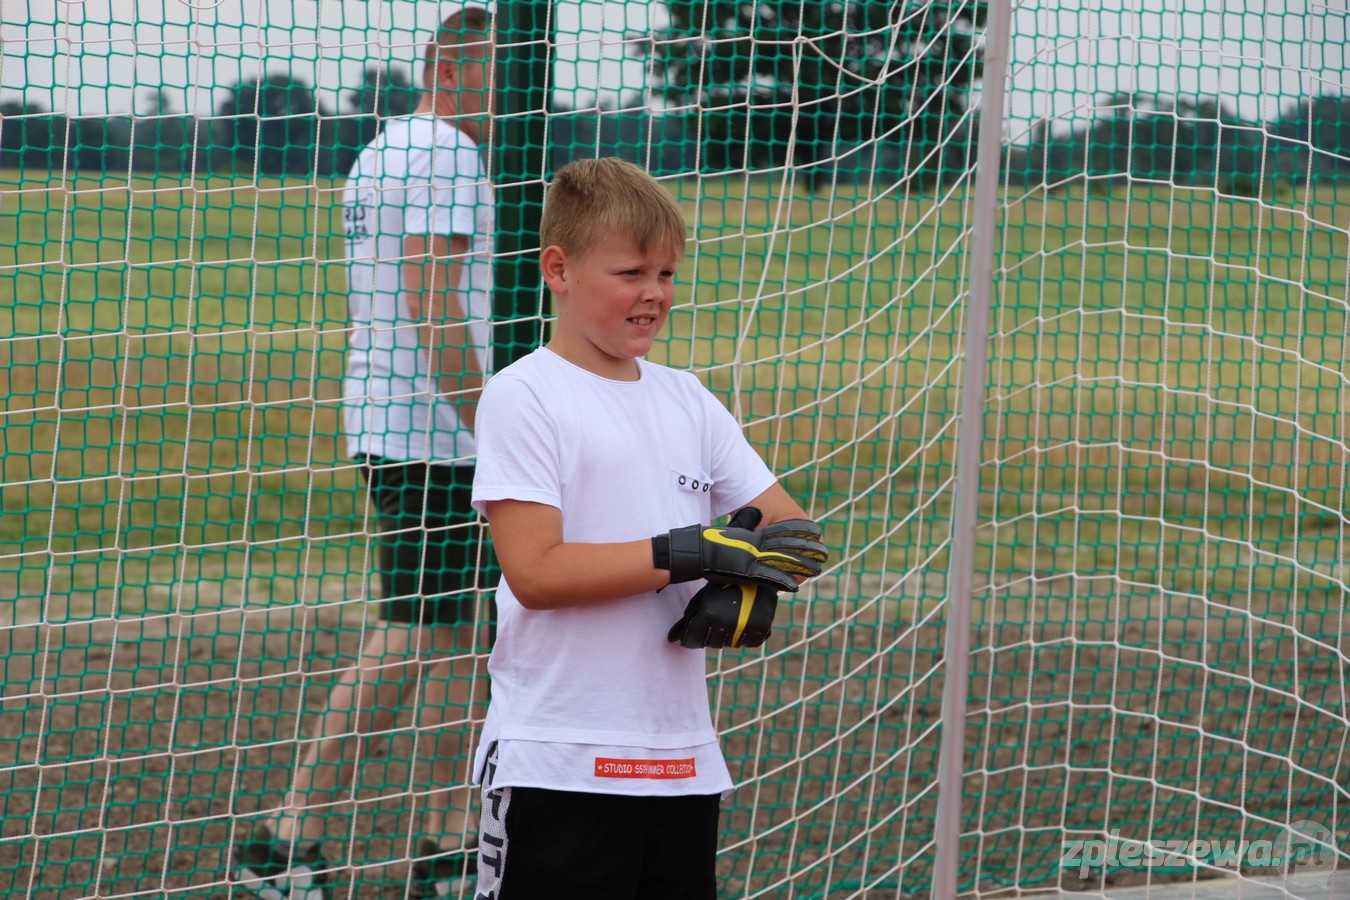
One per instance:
(661,551)
(681,549)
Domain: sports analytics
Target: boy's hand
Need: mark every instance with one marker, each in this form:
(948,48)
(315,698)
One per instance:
(726,615)
(740,555)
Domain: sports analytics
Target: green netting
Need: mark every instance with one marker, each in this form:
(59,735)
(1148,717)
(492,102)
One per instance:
(1160,650)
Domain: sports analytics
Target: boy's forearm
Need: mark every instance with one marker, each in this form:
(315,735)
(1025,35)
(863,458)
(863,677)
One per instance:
(776,505)
(547,572)
(580,574)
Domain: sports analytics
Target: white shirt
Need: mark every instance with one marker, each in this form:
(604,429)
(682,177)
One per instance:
(421,176)
(594,698)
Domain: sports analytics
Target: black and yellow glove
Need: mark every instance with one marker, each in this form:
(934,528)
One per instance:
(726,615)
(739,555)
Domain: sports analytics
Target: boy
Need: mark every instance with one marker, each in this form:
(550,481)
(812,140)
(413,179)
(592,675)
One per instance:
(600,766)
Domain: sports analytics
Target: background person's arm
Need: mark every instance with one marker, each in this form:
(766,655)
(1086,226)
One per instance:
(433,276)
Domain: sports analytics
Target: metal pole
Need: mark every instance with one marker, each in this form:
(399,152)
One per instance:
(524,41)
(969,452)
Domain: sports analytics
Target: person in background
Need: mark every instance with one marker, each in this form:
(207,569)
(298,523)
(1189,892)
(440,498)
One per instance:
(419,219)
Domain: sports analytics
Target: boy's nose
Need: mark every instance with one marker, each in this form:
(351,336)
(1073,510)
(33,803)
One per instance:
(651,290)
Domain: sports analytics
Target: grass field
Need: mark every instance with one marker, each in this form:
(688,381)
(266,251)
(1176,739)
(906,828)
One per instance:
(171,355)
(1161,581)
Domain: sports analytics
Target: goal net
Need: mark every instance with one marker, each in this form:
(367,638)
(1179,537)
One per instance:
(1159,653)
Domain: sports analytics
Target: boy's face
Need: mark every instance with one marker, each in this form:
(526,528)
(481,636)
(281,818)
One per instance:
(612,302)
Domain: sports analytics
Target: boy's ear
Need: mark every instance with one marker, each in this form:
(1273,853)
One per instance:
(553,265)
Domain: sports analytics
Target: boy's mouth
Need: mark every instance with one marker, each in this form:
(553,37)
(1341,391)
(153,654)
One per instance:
(643,321)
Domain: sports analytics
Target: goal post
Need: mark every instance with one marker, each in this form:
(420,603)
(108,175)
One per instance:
(1157,663)
(524,35)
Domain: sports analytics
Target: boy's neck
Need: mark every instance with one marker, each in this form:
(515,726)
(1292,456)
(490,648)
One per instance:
(595,362)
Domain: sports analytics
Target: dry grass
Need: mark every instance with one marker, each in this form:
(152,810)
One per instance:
(139,747)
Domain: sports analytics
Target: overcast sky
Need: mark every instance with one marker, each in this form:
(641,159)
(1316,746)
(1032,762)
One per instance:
(110,51)
(1260,56)
(99,56)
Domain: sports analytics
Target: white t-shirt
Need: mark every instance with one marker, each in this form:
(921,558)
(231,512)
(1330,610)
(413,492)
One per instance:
(421,176)
(594,698)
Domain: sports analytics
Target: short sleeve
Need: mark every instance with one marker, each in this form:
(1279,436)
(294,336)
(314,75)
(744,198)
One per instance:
(738,472)
(444,189)
(517,447)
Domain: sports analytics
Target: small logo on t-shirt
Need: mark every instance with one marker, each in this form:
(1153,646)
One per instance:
(606,767)
(691,483)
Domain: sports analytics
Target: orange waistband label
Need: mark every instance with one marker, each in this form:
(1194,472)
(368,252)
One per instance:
(644,768)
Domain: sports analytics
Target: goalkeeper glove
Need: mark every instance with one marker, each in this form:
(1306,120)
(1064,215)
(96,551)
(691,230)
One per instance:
(726,615)
(738,555)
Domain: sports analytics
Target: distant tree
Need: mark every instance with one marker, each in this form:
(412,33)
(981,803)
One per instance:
(1196,140)
(171,143)
(382,94)
(1311,139)
(272,126)
(163,141)
(101,145)
(802,82)
(156,103)
(660,144)
(1223,149)
(1047,159)
(33,137)
(13,127)
(1131,133)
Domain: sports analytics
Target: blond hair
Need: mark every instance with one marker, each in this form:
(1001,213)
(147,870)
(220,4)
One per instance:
(590,199)
(466,32)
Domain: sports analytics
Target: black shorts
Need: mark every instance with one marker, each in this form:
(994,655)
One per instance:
(433,554)
(567,845)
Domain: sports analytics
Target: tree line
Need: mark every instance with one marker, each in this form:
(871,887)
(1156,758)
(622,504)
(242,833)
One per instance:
(1189,140)
(760,95)
(274,125)
(869,90)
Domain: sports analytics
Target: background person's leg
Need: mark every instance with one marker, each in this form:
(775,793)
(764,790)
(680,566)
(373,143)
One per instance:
(449,711)
(449,715)
(364,701)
